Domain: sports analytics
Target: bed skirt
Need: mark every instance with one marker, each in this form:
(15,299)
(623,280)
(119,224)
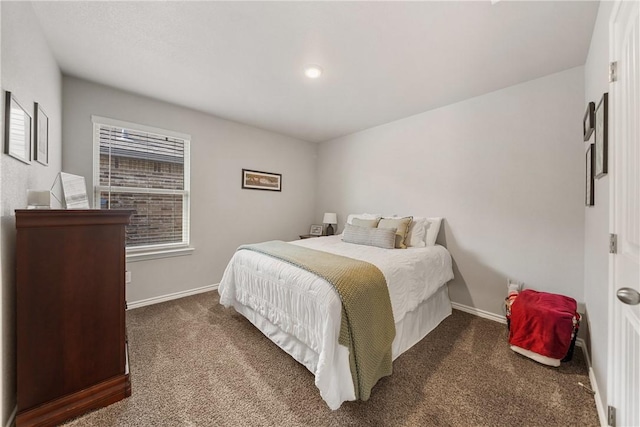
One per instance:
(410,330)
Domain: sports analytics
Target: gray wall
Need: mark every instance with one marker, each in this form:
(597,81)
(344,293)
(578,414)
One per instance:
(596,253)
(31,74)
(223,216)
(504,169)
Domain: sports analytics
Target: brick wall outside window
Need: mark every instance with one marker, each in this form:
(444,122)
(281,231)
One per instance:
(158,218)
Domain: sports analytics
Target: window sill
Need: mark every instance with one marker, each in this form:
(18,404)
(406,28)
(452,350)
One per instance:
(158,253)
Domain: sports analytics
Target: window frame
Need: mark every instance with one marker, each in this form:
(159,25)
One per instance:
(162,250)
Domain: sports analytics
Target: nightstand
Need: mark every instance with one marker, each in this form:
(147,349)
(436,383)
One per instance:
(308,236)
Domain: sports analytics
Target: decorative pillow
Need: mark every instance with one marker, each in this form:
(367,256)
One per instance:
(380,237)
(350,217)
(432,227)
(417,233)
(368,223)
(402,228)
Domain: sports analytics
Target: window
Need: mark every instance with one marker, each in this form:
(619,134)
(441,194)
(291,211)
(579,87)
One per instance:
(147,170)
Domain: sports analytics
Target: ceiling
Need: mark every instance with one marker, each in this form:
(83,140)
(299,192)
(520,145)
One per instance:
(382,61)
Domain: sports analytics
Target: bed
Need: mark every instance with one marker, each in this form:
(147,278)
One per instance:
(301,312)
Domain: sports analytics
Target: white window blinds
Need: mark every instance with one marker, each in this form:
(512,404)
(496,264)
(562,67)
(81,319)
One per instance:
(147,170)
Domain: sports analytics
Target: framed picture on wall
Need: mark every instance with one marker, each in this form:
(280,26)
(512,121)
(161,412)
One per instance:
(41,135)
(601,138)
(589,190)
(588,121)
(256,180)
(17,130)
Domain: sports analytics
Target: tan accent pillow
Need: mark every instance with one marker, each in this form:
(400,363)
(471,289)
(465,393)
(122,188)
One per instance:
(402,228)
(367,223)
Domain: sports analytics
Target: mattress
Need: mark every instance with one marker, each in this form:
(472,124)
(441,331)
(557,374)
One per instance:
(301,312)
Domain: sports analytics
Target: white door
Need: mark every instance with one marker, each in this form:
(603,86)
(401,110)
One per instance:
(624,119)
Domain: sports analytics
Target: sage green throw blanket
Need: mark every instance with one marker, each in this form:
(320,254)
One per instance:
(367,328)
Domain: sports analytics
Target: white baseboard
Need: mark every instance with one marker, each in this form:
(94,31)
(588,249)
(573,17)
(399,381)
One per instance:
(602,414)
(169,297)
(583,345)
(12,418)
(480,313)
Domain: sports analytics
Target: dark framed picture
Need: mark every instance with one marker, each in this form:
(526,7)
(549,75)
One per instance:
(17,130)
(589,190)
(316,230)
(41,138)
(588,121)
(602,137)
(257,180)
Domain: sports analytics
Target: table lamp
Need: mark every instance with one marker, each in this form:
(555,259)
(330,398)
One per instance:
(330,218)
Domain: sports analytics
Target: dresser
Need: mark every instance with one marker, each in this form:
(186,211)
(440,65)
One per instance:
(70,313)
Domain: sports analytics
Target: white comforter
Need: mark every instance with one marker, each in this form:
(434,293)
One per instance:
(283,298)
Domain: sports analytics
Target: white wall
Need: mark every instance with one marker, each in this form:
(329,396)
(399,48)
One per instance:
(596,249)
(30,72)
(505,169)
(223,216)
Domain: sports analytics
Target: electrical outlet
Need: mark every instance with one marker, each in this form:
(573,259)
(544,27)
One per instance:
(514,285)
(127,277)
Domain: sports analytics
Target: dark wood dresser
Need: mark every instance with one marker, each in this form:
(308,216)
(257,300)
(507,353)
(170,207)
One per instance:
(71,340)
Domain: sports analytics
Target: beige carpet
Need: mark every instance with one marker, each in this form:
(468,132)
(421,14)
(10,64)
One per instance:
(194,363)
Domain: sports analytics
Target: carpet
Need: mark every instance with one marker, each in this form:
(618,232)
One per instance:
(195,363)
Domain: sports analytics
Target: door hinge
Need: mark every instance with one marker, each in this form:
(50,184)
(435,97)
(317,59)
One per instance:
(611,416)
(613,71)
(613,243)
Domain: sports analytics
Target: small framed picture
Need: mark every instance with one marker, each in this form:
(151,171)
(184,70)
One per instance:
(589,191)
(41,135)
(588,121)
(74,190)
(256,180)
(316,230)
(17,129)
(601,138)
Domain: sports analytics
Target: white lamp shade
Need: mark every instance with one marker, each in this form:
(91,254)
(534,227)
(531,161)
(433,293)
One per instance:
(330,218)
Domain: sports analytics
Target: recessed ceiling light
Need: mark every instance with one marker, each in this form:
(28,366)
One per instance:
(313,71)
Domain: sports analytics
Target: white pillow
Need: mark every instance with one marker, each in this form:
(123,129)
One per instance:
(432,227)
(362,216)
(417,232)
